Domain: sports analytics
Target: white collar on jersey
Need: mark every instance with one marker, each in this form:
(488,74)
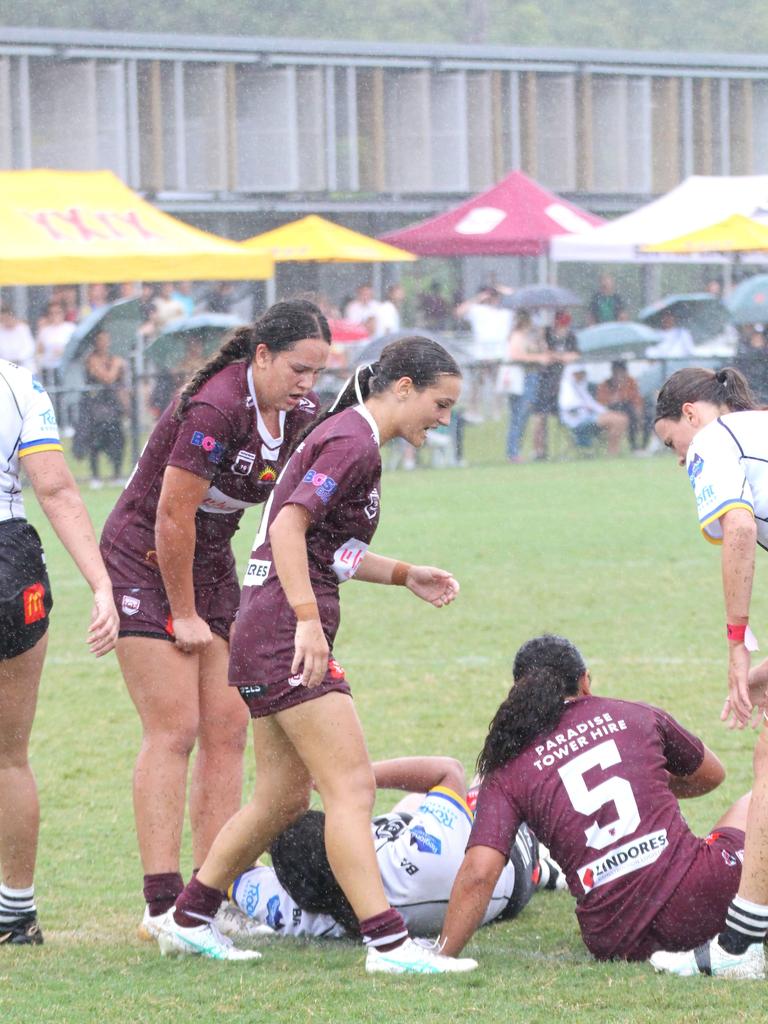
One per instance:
(271,444)
(370,420)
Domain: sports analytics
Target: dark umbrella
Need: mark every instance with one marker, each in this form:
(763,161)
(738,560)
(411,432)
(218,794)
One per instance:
(541,296)
(703,314)
(122,319)
(169,348)
(459,348)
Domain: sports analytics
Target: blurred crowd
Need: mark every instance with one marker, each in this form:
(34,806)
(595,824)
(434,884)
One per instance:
(520,362)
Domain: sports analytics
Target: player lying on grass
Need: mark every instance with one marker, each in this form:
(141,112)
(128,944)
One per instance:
(419,846)
(598,781)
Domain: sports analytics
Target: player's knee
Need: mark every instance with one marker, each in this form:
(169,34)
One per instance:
(177,740)
(358,790)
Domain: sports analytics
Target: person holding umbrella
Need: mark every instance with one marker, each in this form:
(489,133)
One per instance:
(213,453)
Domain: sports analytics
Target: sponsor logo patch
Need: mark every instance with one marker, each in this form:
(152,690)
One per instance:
(695,467)
(335,669)
(243,464)
(214,448)
(347,558)
(372,508)
(424,842)
(274,913)
(636,854)
(130,605)
(268,475)
(34,608)
(324,484)
(257,572)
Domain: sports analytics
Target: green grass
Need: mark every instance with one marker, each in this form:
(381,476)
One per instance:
(607,553)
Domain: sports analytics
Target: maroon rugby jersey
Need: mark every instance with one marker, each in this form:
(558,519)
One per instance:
(221,438)
(336,475)
(595,791)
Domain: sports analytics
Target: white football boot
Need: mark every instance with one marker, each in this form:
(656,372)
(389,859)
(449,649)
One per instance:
(235,924)
(151,925)
(414,958)
(203,940)
(710,958)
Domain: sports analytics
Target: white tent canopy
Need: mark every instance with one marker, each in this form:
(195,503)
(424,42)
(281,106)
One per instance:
(694,203)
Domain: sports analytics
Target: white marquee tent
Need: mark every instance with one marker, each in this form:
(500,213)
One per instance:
(694,203)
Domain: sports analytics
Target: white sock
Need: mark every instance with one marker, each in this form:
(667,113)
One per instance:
(16,902)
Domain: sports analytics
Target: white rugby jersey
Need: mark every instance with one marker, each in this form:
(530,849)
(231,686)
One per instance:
(419,856)
(727,464)
(27,425)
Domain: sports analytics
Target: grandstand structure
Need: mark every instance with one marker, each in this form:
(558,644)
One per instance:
(234,133)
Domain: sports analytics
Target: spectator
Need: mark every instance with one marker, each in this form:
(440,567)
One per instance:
(166,307)
(676,343)
(129,290)
(146,299)
(526,352)
(363,309)
(16,343)
(491,326)
(562,348)
(606,304)
(52,339)
(98,298)
(435,309)
(388,312)
(221,298)
(183,294)
(714,286)
(101,408)
(621,394)
(584,416)
(66,296)
(752,358)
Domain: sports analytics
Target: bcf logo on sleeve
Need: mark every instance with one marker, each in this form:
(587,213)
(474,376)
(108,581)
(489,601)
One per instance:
(209,444)
(325,484)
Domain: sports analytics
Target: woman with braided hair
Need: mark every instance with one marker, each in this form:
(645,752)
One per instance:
(215,452)
(598,781)
(315,534)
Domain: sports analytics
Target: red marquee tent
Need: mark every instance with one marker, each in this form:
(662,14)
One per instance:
(517,217)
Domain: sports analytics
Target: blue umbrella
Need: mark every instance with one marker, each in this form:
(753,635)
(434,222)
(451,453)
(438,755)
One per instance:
(122,319)
(703,314)
(616,339)
(169,348)
(748,302)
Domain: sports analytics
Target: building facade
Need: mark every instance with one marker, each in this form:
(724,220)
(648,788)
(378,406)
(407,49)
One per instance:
(234,133)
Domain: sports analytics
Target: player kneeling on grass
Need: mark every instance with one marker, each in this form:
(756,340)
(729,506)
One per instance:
(419,845)
(597,780)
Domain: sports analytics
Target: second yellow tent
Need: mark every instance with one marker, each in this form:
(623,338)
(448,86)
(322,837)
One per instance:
(314,239)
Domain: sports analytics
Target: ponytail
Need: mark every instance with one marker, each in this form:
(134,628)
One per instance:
(723,388)
(421,359)
(280,328)
(546,670)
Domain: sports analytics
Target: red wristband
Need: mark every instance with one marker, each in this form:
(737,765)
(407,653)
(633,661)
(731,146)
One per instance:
(736,633)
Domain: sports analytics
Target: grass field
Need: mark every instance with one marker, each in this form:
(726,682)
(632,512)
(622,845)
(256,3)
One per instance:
(607,553)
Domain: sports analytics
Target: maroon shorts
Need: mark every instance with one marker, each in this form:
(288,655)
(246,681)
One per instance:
(697,910)
(265,699)
(146,611)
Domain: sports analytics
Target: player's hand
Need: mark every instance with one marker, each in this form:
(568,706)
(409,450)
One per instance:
(105,622)
(435,586)
(739,705)
(310,653)
(191,634)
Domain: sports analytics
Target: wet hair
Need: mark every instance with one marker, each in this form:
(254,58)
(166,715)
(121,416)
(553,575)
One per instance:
(279,329)
(421,359)
(301,865)
(546,670)
(523,319)
(725,387)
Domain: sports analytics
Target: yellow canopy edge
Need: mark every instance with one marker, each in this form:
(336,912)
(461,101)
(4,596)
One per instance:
(736,233)
(82,227)
(314,239)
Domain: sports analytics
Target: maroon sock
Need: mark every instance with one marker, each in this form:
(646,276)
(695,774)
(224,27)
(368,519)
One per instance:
(160,891)
(197,905)
(384,931)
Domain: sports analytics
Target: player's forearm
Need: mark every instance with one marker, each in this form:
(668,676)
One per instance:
(175,539)
(707,777)
(288,538)
(69,518)
(738,563)
(419,774)
(470,896)
(375,568)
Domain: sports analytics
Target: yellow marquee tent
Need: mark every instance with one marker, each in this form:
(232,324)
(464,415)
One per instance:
(314,239)
(734,234)
(81,227)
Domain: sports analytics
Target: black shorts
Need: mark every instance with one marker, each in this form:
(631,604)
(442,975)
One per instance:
(25,591)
